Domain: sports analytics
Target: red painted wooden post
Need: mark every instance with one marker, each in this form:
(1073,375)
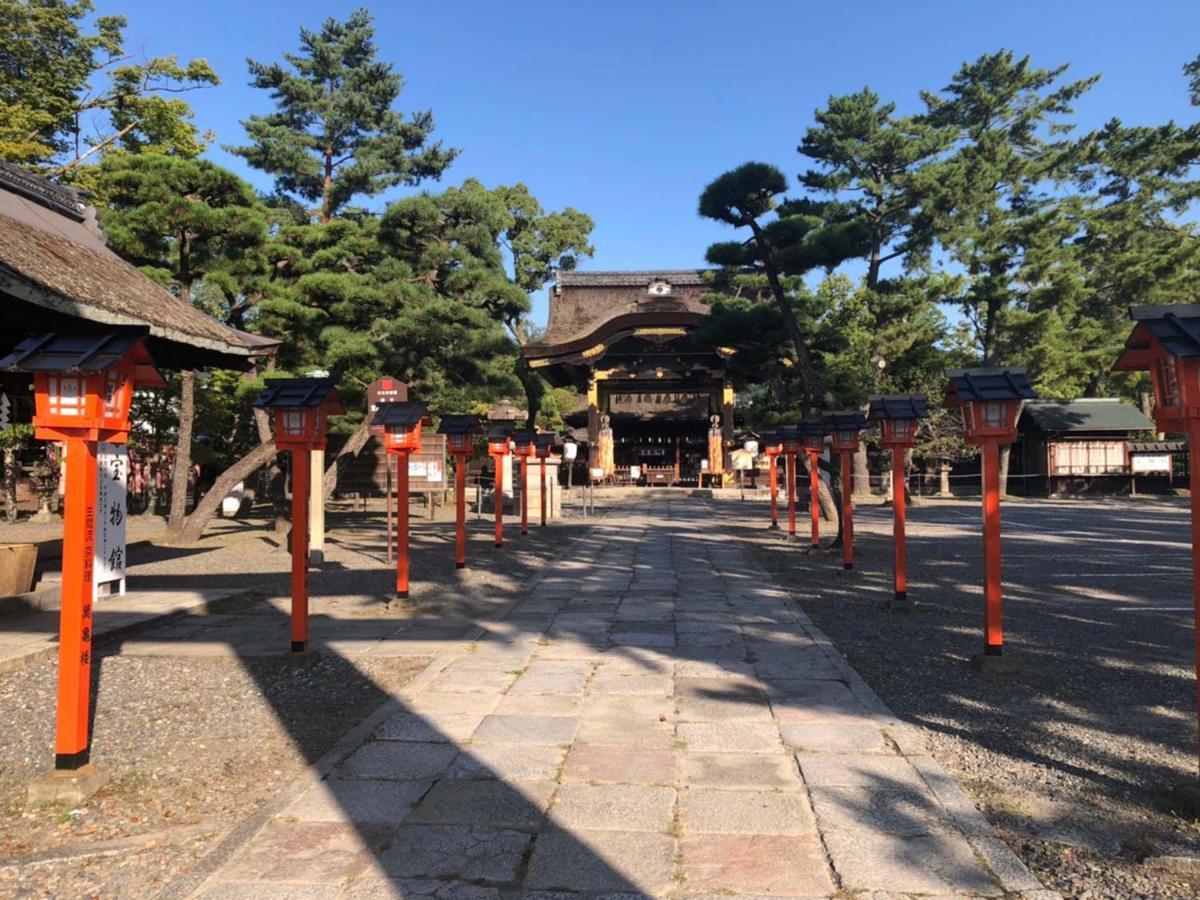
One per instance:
(75,615)
(847,514)
(899,509)
(300,478)
(1194,484)
(460,510)
(524,494)
(542,473)
(992,599)
(499,501)
(774,493)
(402,524)
(814,507)
(791,473)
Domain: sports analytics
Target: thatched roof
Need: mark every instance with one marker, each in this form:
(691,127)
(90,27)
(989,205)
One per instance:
(57,274)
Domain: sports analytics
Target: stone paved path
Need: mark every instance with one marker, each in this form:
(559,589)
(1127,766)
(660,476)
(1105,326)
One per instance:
(652,717)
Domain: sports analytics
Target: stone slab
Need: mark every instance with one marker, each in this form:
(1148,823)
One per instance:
(455,851)
(607,764)
(778,865)
(66,787)
(349,801)
(744,771)
(607,862)
(495,804)
(614,807)
(537,730)
(399,761)
(707,811)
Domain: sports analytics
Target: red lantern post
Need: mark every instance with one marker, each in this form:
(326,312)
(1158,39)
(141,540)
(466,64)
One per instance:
(543,445)
(771,448)
(991,401)
(460,434)
(898,416)
(844,427)
(1166,342)
(401,423)
(301,407)
(812,434)
(83,389)
(499,446)
(791,444)
(525,448)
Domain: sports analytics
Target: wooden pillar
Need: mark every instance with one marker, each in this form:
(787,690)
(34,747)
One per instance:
(847,513)
(791,490)
(460,510)
(524,494)
(300,486)
(316,508)
(992,599)
(402,524)
(71,748)
(727,427)
(814,506)
(774,492)
(593,400)
(678,460)
(899,548)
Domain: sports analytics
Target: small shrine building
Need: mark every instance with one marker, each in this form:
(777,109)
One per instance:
(655,398)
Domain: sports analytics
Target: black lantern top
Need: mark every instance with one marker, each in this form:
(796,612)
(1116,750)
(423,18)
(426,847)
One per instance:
(82,353)
(545,441)
(299,393)
(524,439)
(898,406)
(1175,328)
(972,385)
(399,415)
(845,420)
(459,425)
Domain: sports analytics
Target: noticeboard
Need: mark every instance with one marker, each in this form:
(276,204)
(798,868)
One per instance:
(427,467)
(1148,463)
(109,560)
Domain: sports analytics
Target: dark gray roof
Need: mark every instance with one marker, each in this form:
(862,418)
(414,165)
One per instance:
(1157,446)
(70,352)
(898,406)
(845,420)
(640,277)
(811,427)
(389,415)
(294,392)
(1177,327)
(1009,383)
(525,437)
(459,425)
(1106,414)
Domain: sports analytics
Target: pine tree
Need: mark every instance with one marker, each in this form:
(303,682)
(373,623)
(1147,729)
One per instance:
(335,135)
(180,219)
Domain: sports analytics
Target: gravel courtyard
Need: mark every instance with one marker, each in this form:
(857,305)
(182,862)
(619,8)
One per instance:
(1073,757)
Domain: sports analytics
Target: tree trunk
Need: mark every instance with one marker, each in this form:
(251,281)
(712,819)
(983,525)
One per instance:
(183,453)
(532,385)
(345,456)
(829,508)
(206,508)
(862,472)
(10,483)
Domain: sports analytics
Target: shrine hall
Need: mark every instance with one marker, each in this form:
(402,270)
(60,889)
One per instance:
(659,405)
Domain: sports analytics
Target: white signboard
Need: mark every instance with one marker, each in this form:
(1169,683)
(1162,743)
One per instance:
(429,469)
(112,465)
(1144,463)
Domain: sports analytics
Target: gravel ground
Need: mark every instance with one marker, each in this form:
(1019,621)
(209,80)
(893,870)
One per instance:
(1072,758)
(194,745)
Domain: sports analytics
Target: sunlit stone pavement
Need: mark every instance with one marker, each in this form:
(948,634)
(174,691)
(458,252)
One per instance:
(654,717)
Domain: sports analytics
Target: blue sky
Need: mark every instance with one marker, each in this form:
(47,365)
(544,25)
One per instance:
(625,110)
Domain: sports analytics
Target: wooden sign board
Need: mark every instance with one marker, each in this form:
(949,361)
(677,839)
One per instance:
(384,390)
(427,469)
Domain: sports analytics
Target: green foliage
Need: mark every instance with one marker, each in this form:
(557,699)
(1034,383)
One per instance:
(180,218)
(15,436)
(334,135)
(66,91)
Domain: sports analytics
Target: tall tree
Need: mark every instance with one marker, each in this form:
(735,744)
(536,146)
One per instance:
(68,93)
(538,244)
(990,197)
(180,219)
(334,134)
(868,157)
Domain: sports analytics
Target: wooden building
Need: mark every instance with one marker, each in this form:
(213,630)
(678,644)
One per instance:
(1072,447)
(655,398)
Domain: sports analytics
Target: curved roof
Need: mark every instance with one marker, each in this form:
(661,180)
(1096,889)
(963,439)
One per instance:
(582,302)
